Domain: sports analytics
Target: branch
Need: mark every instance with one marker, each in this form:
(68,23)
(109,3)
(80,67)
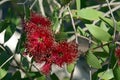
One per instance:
(41,7)
(51,8)
(33,4)
(57,3)
(107,13)
(60,22)
(73,24)
(3,1)
(6,61)
(104,5)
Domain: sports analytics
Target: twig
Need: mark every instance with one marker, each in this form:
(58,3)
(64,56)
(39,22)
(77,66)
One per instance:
(104,5)
(3,1)
(102,45)
(33,4)
(117,42)
(71,77)
(114,35)
(114,21)
(73,24)
(51,8)
(7,61)
(1,46)
(21,68)
(57,3)
(106,14)
(112,10)
(78,35)
(41,7)
(90,73)
(60,21)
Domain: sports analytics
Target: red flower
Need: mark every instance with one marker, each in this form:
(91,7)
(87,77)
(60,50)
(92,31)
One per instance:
(39,41)
(65,53)
(41,45)
(40,20)
(117,52)
(29,26)
(46,68)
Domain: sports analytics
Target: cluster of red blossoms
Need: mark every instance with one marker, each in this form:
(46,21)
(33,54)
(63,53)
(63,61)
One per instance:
(41,44)
(117,54)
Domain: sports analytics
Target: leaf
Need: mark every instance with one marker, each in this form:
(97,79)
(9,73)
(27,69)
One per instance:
(54,77)
(106,75)
(4,57)
(93,61)
(61,36)
(89,14)
(41,78)
(78,6)
(70,67)
(2,73)
(103,26)
(9,32)
(110,22)
(80,30)
(116,72)
(16,76)
(64,2)
(3,25)
(1,50)
(98,33)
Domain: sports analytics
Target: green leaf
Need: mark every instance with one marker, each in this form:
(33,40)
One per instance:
(80,30)
(3,25)
(54,77)
(61,36)
(1,50)
(78,6)
(78,2)
(70,67)
(2,73)
(66,78)
(89,14)
(9,32)
(116,72)
(106,75)
(98,33)
(64,2)
(111,23)
(93,61)
(41,78)
(103,26)
(16,76)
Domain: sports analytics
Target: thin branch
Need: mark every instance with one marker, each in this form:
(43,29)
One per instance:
(107,13)
(101,45)
(7,61)
(1,46)
(78,35)
(41,7)
(57,3)
(104,5)
(114,21)
(51,8)
(114,35)
(60,21)
(71,77)
(3,1)
(73,24)
(118,43)
(33,4)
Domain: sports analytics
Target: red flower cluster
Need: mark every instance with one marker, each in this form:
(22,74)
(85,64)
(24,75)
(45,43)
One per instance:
(117,54)
(41,44)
